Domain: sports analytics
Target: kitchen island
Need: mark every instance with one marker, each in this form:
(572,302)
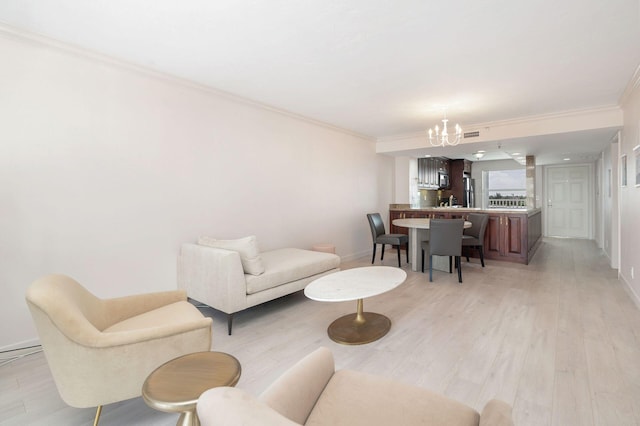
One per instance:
(513,235)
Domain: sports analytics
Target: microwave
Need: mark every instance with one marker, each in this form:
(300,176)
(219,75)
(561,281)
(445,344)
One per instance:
(443,180)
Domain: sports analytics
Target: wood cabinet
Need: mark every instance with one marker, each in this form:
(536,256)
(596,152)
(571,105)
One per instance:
(510,236)
(506,237)
(428,170)
(456,182)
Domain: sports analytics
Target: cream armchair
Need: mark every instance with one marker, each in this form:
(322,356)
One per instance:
(313,393)
(100,351)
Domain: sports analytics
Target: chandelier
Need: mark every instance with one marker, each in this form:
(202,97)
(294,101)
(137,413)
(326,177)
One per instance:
(442,139)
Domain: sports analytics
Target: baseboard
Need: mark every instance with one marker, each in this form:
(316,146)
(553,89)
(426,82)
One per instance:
(355,256)
(632,294)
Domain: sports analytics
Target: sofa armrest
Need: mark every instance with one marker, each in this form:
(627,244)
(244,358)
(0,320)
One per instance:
(213,276)
(232,406)
(496,413)
(295,393)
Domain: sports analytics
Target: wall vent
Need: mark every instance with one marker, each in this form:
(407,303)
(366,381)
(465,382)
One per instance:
(472,134)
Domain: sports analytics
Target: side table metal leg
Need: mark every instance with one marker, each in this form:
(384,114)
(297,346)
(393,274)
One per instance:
(188,418)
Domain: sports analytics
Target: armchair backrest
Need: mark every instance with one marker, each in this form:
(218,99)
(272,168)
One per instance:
(72,309)
(68,319)
(295,393)
(376,224)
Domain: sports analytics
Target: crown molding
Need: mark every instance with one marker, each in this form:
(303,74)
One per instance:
(39,40)
(632,85)
(533,119)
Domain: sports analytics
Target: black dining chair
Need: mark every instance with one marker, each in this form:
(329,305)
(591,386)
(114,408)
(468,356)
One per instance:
(380,236)
(474,237)
(445,239)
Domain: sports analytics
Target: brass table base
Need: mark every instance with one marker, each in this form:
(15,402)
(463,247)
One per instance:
(359,328)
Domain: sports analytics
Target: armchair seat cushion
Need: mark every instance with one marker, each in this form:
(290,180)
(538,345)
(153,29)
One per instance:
(174,313)
(356,398)
(286,265)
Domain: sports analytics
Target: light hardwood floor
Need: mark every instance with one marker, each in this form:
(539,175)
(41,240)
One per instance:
(559,339)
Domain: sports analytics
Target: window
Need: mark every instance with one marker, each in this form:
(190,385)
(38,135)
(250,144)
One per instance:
(507,188)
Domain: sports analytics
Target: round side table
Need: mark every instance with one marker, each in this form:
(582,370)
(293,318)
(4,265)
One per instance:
(176,385)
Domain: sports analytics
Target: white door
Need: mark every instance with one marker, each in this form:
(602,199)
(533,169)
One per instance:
(568,201)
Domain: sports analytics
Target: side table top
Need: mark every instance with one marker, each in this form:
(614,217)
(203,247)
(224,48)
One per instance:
(356,283)
(177,384)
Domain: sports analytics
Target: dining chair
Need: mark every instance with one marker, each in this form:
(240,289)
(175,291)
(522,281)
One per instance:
(474,237)
(445,239)
(380,236)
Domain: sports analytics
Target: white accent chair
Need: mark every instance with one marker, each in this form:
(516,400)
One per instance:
(100,351)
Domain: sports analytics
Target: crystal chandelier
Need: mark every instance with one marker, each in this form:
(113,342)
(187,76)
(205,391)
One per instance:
(442,139)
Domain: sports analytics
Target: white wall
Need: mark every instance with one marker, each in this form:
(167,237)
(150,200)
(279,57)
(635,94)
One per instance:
(403,174)
(599,201)
(105,171)
(629,196)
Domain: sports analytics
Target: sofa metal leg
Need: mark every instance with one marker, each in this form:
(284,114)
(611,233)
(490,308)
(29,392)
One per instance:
(229,322)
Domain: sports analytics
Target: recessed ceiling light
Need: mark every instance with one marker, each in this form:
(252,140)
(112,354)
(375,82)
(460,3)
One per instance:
(427,155)
(566,159)
(516,153)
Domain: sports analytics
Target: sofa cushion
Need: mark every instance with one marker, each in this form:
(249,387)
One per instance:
(355,398)
(247,248)
(285,265)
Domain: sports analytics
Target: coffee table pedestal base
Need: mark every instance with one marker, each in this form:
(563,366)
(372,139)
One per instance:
(359,328)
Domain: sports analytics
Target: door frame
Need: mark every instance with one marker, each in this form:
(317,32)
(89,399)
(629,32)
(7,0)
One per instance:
(590,196)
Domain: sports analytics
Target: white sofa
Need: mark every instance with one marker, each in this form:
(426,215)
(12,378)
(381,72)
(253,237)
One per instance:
(215,276)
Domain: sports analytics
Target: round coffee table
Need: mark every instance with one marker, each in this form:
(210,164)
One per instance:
(356,284)
(176,385)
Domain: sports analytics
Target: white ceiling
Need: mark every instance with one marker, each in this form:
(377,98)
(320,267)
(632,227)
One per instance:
(374,67)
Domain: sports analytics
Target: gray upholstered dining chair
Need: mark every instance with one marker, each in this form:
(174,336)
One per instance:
(445,239)
(379,236)
(474,237)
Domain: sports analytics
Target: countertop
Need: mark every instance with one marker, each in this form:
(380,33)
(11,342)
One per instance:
(401,207)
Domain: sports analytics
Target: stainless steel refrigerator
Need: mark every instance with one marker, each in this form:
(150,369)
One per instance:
(467,199)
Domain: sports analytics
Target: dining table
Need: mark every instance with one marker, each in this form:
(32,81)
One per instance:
(419,232)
